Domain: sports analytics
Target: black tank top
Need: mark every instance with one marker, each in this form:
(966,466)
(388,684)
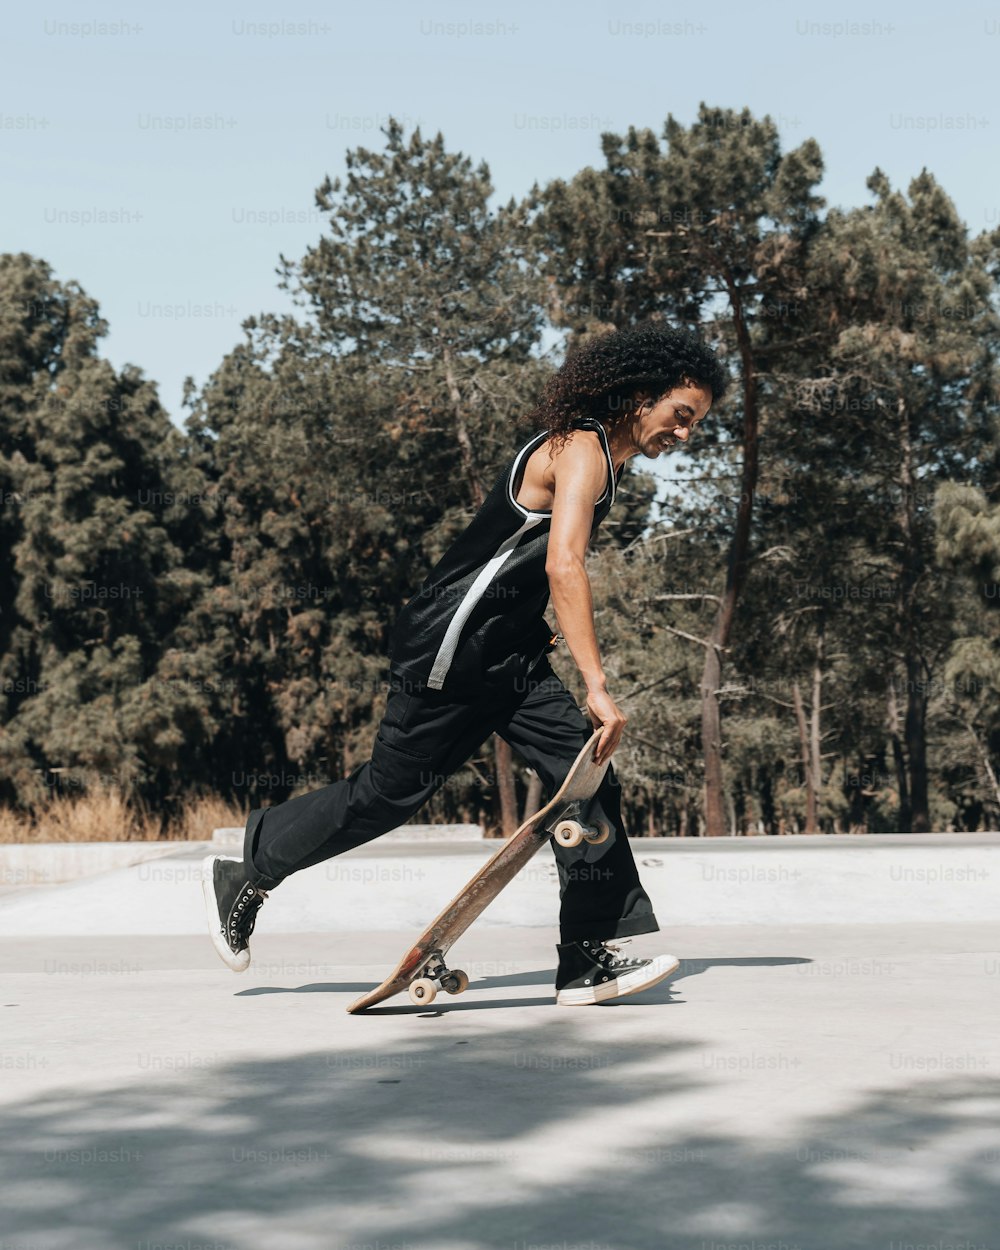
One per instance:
(478,619)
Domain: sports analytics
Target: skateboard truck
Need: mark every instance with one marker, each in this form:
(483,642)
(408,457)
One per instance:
(436,975)
(572,825)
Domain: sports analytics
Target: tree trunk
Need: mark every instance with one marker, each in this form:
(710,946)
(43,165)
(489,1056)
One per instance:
(856,819)
(533,798)
(815,737)
(900,763)
(807,773)
(768,815)
(711,743)
(915,730)
(736,569)
(915,720)
(506,790)
(731,812)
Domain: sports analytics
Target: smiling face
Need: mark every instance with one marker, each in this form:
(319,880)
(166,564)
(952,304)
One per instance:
(658,427)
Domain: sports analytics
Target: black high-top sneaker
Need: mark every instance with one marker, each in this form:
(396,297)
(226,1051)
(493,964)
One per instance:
(232,903)
(595,972)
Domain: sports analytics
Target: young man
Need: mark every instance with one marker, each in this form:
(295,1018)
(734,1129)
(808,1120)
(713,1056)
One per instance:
(469,658)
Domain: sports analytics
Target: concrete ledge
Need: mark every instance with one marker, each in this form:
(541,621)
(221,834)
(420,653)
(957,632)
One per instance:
(49,863)
(760,844)
(711,880)
(824,880)
(405,833)
(52,863)
(401,886)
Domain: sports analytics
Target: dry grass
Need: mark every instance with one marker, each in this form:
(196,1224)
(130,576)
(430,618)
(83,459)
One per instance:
(203,813)
(105,816)
(101,817)
(12,826)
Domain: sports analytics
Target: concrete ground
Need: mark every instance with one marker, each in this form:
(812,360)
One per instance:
(794,1086)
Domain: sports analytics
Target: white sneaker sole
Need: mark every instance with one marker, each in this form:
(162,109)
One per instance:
(631,983)
(240,962)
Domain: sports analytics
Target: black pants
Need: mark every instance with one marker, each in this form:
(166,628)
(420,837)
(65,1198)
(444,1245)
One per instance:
(424,737)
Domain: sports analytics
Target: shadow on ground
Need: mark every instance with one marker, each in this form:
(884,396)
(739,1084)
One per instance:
(536,1137)
(539,976)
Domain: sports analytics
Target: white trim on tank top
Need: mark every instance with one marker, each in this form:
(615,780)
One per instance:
(534,444)
(449,643)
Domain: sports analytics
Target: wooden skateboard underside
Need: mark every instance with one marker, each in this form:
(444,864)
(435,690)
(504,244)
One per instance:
(581,784)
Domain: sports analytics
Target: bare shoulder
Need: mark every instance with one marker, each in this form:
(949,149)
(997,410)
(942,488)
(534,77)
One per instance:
(579,469)
(580,448)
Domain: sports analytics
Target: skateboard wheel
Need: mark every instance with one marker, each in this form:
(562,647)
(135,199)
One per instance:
(456,982)
(568,833)
(600,833)
(422,991)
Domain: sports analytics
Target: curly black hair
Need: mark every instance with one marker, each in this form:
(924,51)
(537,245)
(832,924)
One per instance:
(599,377)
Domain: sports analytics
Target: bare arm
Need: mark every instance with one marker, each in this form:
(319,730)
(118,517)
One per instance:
(580,470)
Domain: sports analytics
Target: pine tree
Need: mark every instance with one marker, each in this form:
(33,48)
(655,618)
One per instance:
(322,477)
(968,548)
(95,576)
(901,402)
(420,278)
(717,226)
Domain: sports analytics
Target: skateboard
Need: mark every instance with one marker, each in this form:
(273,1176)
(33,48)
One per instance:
(423,971)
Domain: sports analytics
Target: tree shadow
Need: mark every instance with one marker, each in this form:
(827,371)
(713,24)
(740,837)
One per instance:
(541,1134)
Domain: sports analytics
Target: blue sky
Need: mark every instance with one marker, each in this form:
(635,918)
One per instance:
(166,158)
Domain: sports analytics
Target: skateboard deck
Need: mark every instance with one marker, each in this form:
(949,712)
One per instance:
(423,970)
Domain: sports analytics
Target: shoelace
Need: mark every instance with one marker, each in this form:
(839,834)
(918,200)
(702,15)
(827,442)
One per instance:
(247,908)
(613,950)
